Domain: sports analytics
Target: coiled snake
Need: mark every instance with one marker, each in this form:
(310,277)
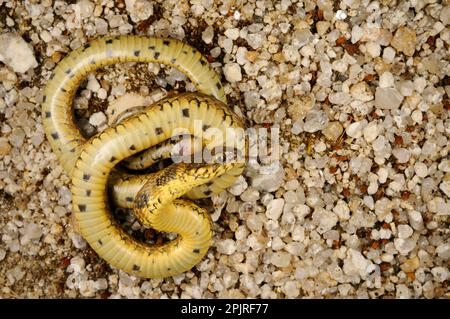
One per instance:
(153,197)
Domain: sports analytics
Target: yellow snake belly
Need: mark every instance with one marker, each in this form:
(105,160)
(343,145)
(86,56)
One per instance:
(154,197)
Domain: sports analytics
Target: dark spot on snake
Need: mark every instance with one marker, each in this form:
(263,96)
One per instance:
(48,114)
(68,71)
(63,90)
(185,112)
(156,55)
(129,199)
(137,53)
(44,98)
(136,268)
(205,127)
(92,61)
(112,159)
(202,62)
(86,177)
(173,60)
(151,47)
(88,192)
(132,147)
(166,42)
(109,41)
(197,251)
(218,85)
(52,76)
(207,192)
(184,52)
(55,136)
(82,207)
(86,46)
(158,130)
(73,150)
(100,242)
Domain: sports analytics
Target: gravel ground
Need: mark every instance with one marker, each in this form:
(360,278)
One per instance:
(358,206)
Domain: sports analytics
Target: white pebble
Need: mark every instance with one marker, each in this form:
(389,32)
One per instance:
(93,84)
(232,33)
(275,208)
(415,219)
(101,93)
(420,169)
(386,80)
(404,231)
(402,155)
(232,72)
(208,35)
(98,119)
(16,53)
(371,131)
(355,129)
(227,246)
(387,98)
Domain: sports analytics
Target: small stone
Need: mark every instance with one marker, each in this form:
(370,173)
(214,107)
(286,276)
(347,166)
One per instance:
(333,131)
(417,117)
(227,246)
(388,55)
(440,274)
(404,246)
(85,8)
(31,231)
(315,121)
(387,98)
(78,241)
(322,27)
(371,131)
(5,148)
(445,187)
(65,196)
(98,119)
(291,290)
(404,40)
(356,264)
(356,129)
(232,72)
(406,88)
(386,80)
(275,208)
(402,292)
(404,231)
(420,169)
(239,186)
(208,35)
(373,49)
(402,155)
(325,219)
(101,93)
(415,220)
(93,84)
(357,33)
(361,92)
(2,254)
(445,15)
(299,107)
(232,33)
(17,137)
(16,53)
(139,10)
(410,265)
(280,259)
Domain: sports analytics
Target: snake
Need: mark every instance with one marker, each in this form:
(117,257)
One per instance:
(162,200)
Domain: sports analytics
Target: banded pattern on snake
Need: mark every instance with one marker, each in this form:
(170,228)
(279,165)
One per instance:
(155,198)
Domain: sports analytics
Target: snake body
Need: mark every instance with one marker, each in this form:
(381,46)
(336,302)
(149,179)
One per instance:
(155,198)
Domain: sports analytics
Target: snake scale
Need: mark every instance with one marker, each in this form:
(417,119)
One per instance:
(155,198)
